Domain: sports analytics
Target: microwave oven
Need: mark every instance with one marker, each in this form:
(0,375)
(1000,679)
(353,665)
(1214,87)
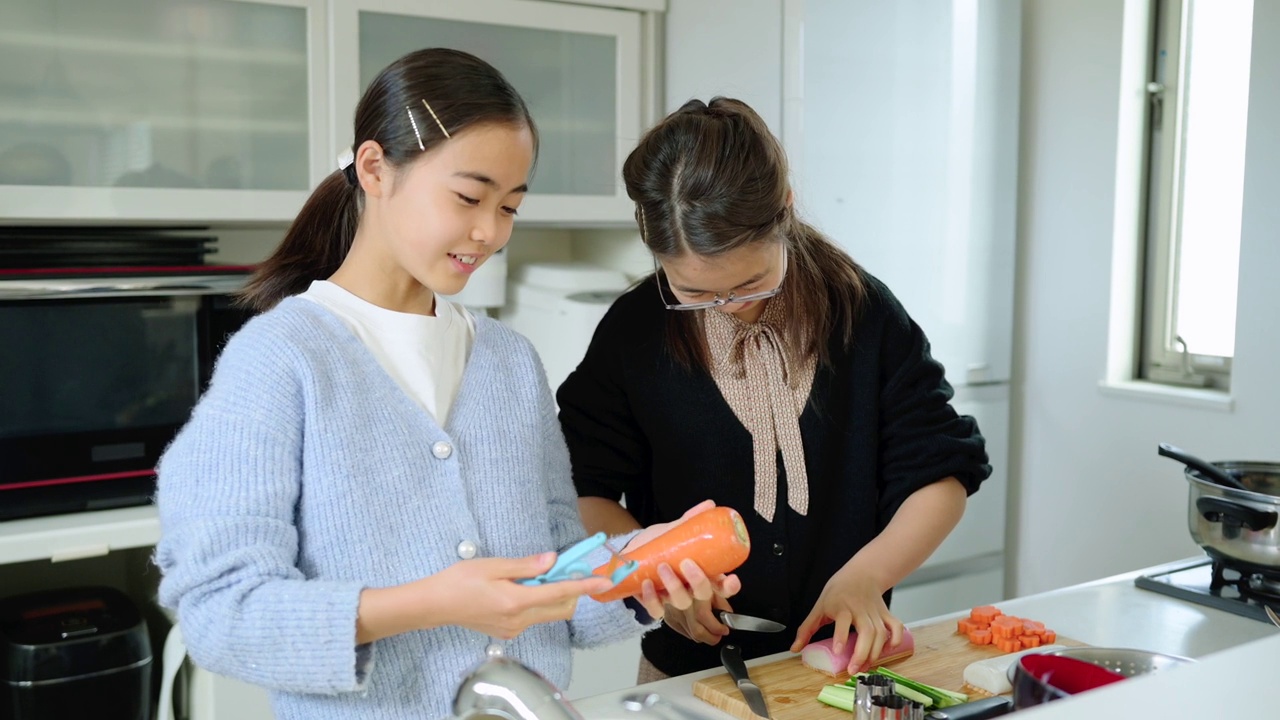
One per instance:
(98,372)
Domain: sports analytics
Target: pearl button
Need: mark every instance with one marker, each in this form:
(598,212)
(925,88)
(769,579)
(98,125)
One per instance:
(494,650)
(442,450)
(466,549)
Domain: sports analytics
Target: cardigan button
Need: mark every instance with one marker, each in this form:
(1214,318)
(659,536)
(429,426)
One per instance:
(442,450)
(466,549)
(778,549)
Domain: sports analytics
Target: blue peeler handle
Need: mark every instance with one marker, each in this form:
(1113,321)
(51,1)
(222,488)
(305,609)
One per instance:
(571,564)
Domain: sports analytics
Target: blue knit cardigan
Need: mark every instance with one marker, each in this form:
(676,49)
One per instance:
(306,474)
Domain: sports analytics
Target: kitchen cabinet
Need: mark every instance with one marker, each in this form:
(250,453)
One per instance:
(113,548)
(578,68)
(232,110)
(141,110)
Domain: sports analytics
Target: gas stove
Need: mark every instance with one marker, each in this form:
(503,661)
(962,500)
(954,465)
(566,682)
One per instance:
(1239,589)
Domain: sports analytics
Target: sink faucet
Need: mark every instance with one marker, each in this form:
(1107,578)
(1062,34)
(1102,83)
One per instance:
(501,688)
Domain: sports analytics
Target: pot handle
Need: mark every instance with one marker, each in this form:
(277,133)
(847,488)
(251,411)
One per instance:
(1216,509)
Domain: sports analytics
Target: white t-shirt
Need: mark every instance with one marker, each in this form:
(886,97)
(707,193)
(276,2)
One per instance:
(424,355)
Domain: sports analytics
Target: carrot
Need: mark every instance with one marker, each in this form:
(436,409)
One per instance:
(980,637)
(987,625)
(715,539)
(984,613)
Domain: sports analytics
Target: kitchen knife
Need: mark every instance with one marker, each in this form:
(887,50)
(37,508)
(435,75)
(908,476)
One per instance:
(731,658)
(749,623)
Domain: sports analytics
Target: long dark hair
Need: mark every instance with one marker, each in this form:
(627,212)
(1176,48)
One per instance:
(410,107)
(710,178)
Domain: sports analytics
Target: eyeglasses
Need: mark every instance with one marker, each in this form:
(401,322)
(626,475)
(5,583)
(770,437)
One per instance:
(730,298)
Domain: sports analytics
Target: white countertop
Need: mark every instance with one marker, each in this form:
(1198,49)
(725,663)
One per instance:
(1111,612)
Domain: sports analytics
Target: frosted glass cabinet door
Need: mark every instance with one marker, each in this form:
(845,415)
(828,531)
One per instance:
(576,67)
(192,95)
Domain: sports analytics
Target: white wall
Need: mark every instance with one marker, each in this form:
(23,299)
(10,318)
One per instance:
(726,47)
(1093,496)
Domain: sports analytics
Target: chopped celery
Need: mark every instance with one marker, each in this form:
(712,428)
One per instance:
(942,697)
(898,688)
(838,696)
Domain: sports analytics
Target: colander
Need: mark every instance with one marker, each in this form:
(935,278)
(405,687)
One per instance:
(1126,661)
(1028,690)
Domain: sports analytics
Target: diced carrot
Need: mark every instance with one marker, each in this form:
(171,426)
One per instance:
(988,625)
(984,613)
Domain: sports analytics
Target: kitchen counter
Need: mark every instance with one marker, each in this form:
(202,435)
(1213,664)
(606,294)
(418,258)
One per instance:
(1238,654)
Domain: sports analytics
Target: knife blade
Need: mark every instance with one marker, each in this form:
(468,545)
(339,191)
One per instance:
(731,658)
(750,623)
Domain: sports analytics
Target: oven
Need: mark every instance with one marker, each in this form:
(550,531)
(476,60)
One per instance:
(100,367)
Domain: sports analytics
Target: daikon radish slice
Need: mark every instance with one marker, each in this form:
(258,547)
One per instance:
(819,655)
(992,674)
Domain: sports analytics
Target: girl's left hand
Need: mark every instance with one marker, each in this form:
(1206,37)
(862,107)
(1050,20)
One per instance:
(851,598)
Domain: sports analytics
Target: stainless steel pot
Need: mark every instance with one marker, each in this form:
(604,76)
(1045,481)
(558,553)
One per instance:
(1239,526)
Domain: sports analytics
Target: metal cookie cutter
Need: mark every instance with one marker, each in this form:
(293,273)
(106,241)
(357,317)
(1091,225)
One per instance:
(572,563)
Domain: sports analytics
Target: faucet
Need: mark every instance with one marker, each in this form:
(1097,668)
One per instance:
(500,688)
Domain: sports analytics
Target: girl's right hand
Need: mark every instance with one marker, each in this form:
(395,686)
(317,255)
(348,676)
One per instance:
(479,594)
(482,594)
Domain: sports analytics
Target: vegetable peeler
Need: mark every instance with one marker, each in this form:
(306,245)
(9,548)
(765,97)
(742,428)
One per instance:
(571,564)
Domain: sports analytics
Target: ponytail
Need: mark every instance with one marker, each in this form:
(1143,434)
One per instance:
(313,248)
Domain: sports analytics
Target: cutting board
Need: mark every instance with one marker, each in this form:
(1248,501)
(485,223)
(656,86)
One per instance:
(791,689)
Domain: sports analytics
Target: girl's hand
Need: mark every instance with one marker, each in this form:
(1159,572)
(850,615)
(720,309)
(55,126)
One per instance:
(684,600)
(851,598)
(483,596)
(698,620)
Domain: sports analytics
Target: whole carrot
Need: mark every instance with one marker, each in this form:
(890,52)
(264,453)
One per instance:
(715,539)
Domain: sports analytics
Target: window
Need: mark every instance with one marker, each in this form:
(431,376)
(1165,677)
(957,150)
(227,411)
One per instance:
(1199,92)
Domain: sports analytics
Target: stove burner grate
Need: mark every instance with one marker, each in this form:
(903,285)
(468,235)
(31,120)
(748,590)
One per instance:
(1225,585)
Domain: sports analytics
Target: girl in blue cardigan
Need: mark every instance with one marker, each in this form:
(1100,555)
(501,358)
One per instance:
(372,467)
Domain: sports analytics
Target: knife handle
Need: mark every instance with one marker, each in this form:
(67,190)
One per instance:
(731,658)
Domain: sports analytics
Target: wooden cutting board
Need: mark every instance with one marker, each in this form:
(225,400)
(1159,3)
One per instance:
(791,689)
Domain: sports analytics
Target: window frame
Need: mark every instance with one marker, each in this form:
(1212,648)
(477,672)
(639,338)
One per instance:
(1163,356)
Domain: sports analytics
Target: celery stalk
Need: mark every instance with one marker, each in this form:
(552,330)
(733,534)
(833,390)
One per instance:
(942,697)
(838,696)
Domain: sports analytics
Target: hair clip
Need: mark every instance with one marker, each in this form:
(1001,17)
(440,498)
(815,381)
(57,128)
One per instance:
(436,118)
(414,123)
(346,158)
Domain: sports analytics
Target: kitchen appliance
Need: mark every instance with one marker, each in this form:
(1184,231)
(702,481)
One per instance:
(921,189)
(557,306)
(74,653)
(109,337)
(1219,584)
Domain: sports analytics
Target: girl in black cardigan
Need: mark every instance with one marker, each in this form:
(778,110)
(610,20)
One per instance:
(761,367)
